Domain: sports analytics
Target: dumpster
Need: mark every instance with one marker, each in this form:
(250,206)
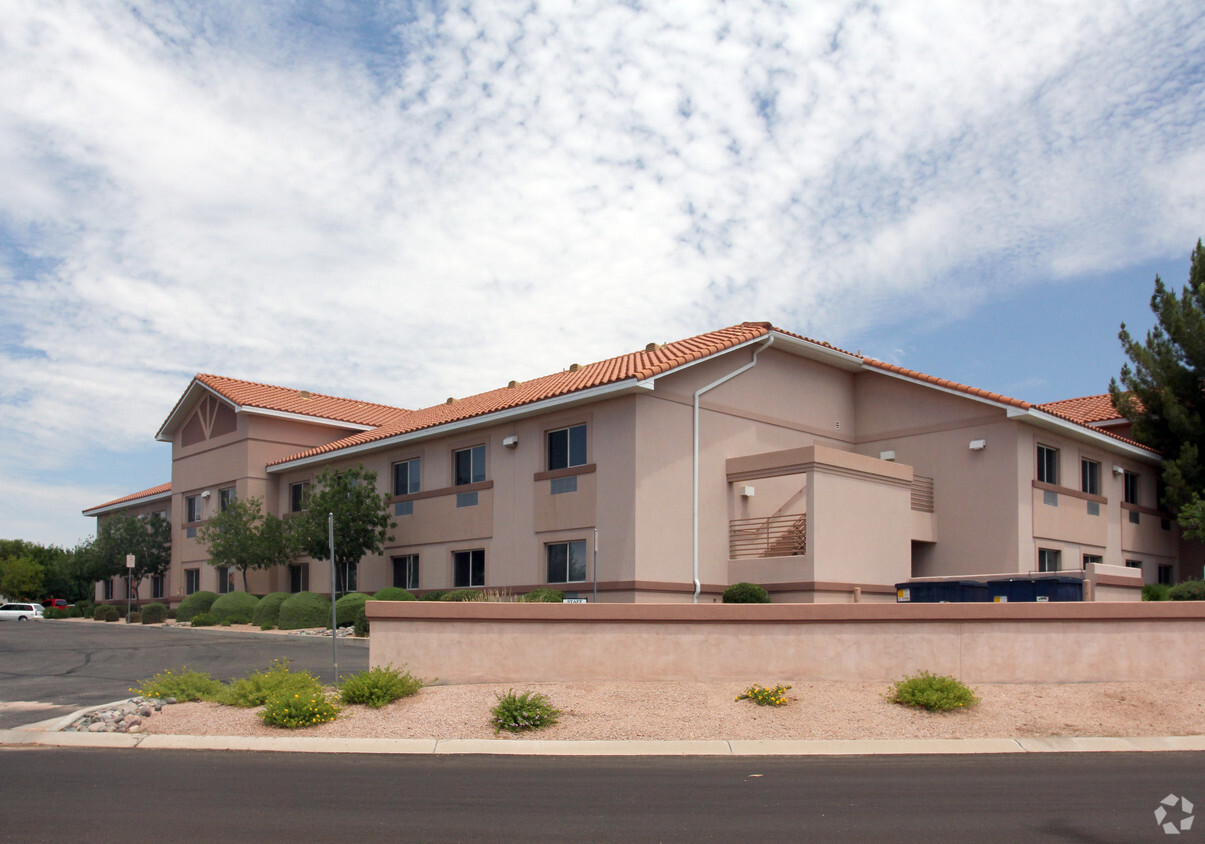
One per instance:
(941,592)
(1039,589)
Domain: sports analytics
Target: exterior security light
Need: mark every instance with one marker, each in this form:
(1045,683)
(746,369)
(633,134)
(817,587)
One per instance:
(887,455)
(747,492)
(511,442)
(978,445)
(205,494)
(1117,470)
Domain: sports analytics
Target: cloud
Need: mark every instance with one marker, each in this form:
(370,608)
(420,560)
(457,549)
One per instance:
(403,204)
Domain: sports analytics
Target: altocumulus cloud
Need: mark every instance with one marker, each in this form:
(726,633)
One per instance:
(374,199)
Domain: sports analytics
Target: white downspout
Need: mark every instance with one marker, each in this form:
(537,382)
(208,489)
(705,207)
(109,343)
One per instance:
(695,507)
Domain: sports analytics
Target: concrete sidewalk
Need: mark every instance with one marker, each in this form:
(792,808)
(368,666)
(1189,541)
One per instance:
(46,734)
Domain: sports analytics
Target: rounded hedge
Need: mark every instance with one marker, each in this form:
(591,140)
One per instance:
(544,595)
(394,593)
(1189,590)
(267,611)
(105,612)
(433,595)
(463,595)
(235,607)
(203,619)
(746,593)
(304,609)
(135,617)
(197,602)
(155,613)
(360,625)
(347,606)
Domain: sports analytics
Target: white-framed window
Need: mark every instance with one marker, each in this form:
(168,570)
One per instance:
(157,586)
(297,493)
(566,561)
(468,568)
(192,509)
(226,497)
(468,465)
(1089,559)
(224,578)
(192,581)
(1049,559)
(1134,564)
(299,577)
(407,476)
(348,577)
(567,447)
(405,571)
(1089,471)
(1048,465)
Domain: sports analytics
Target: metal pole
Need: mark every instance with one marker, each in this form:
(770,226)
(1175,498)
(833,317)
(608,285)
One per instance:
(596,565)
(330,537)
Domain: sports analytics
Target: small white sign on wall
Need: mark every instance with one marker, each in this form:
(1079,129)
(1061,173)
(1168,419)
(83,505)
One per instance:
(129,561)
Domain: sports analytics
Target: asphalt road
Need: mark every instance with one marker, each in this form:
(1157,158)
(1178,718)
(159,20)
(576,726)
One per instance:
(74,664)
(117,795)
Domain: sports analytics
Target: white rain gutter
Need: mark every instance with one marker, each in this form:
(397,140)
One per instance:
(695,507)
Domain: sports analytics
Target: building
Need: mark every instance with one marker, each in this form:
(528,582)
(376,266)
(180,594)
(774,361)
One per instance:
(745,454)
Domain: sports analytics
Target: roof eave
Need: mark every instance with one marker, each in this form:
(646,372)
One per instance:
(125,505)
(1049,422)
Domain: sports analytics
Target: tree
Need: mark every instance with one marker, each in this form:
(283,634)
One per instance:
(20,578)
(148,538)
(1162,389)
(244,537)
(362,520)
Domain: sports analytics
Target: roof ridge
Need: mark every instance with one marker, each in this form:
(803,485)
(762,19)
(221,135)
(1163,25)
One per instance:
(204,375)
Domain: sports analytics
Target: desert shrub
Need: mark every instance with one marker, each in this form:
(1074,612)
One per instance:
(394,593)
(378,686)
(765,696)
(434,595)
(182,685)
(154,614)
(544,595)
(1155,592)
(85,608)
(105,612)
(234,608)
(51,613)
(299,710)
(360,625)
(121,609)
(203,619)
(304,609)
(74,612)
(746,593)
(1189,590)
(195,603)
(346,607)
(933,692)
(463,595)
(257,687)
(172,612)
(527,711)
(267,611)
(134,617)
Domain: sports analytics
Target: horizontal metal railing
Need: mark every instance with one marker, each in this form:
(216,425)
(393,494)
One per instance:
(922,494)
(774,536)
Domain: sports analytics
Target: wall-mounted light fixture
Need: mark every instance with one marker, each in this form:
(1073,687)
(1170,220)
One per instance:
(978,445)
(747,492)
(205,494)
(511,442)
(1117,470)
(887,455)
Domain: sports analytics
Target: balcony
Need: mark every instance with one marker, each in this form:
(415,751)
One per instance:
(772,536)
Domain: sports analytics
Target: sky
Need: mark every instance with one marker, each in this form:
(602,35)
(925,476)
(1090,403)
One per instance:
(401,202)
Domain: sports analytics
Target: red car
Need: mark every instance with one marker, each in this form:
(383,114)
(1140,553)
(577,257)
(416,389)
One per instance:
(55,603)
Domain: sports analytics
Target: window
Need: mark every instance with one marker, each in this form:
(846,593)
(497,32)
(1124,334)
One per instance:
(1133,564)
(225,498)
(1049,559)
(1090,559)
(130,587)
(192,581)
(1131,488)
(1048,464)
(108,590)
(566,561)
(466,499)
(299,577)
(468,465)
(1090,477)
(192,508)
(407,476)
(346,575)
(297,493)
(1165,575)
(224,578)
(157,586)
(468,568)
(405,571)
(567,447)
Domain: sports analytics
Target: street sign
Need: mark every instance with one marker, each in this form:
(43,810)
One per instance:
(574,601)
(129,561)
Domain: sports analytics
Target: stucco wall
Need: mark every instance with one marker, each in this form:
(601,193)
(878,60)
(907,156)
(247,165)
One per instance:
(979,643)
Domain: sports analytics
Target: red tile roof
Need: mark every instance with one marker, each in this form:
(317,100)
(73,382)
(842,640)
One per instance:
(1084,410)
(949,385)
(133,497)
(302,402)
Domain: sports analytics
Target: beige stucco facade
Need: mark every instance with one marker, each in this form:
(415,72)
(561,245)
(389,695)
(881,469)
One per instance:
(821,477)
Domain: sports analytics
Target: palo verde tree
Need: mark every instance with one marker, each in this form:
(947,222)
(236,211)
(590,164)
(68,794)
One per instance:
(148,538)
(1162,389)
(244,537)
(362,522)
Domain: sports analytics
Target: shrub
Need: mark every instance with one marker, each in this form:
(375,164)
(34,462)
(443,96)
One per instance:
(544,595)
(394,593)
(257,687)
(378,686)
(932,692)
(267,611)
(1189,590)
(105,612)
(203,619)
(195,603)
(434,595)
(135,617)
(360,625)
(74,612)
(304,609)
(182,685)
(463,595)
(121,610)
(526,711)
(746,593)
(299,710)
(53,613)
(346,607)
(234,608)
(1155,592)
(85,608)
(172,612)
(154,614)
(763,696)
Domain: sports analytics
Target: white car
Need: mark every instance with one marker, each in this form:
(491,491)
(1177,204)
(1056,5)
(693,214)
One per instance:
(21,612)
